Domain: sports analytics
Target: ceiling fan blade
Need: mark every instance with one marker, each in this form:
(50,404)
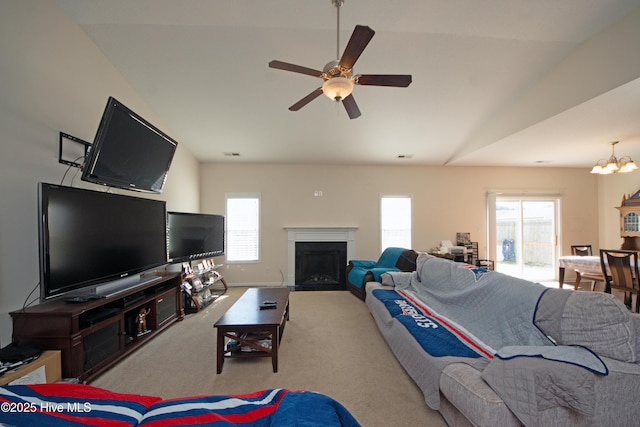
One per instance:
(307,99)
(396,80)
(352,108)
(295,68)
(360,38)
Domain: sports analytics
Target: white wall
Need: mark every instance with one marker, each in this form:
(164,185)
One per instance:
(52,79)
(446,200)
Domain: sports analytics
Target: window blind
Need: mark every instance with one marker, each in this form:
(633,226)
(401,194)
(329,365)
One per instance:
(395,220)
(243,228)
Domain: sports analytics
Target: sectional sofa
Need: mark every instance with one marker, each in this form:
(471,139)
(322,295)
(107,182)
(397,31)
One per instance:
(488,349)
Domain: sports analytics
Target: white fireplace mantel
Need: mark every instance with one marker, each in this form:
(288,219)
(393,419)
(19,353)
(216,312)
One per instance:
(316,234)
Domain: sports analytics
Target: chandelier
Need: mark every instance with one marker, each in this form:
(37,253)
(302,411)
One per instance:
(613,164)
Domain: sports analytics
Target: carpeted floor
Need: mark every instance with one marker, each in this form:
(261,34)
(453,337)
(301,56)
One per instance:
(330,345)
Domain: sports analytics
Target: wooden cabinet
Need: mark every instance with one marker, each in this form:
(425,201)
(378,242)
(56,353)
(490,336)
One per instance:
(630,222)
(94,335)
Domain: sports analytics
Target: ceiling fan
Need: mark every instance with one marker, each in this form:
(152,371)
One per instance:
(338,74)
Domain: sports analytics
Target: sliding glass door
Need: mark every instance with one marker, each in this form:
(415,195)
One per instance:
(524,235)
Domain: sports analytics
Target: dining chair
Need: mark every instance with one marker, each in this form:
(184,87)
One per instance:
(585,250)
(581,250)
(621,269)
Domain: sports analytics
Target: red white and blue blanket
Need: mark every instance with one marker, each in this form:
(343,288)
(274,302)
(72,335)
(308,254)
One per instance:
(481,312)
(81,405)
(436,334)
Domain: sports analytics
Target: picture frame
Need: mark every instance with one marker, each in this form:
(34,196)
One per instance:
(463,238)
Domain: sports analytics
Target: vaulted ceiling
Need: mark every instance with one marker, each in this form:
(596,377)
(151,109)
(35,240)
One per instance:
(495,82)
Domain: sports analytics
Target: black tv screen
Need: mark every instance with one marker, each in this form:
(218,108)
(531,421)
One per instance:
(128,152)
(91,237)
(194,236)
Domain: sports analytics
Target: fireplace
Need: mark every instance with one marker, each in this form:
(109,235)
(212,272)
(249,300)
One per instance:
(344,236)
(320,266)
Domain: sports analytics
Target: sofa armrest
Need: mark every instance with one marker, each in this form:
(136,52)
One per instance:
(362,263)
(377,272)
(400,278)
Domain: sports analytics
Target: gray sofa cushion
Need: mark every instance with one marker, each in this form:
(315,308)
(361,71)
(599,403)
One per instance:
(594,320)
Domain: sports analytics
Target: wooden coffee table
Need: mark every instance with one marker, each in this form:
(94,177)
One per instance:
(246,326)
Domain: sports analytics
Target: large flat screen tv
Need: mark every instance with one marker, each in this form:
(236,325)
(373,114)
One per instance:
(194,236)
(89,237)
(128,152)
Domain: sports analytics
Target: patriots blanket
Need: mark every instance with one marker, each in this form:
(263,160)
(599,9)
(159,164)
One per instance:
(437,335)
(496,308)
(461,313)
(494,311)
(81,405)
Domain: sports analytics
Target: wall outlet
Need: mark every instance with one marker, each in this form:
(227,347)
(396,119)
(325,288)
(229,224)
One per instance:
(318,193)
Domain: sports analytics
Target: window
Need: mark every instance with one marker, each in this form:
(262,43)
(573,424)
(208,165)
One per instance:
(395,221)
(524,234)
(243,227)
(631,222)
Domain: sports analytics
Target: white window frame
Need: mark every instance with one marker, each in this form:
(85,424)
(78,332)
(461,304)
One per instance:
(385,242)
(230,229)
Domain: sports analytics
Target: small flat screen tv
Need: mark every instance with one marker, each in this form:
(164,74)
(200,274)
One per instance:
(90,237)
(194,236)
(128,152)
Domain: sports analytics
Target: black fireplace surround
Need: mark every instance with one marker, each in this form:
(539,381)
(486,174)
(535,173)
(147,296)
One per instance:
(321,266)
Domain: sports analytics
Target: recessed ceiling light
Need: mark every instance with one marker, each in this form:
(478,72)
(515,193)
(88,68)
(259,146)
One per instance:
(405,156)
(232,154)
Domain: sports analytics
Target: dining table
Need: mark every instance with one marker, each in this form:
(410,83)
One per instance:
(586,264)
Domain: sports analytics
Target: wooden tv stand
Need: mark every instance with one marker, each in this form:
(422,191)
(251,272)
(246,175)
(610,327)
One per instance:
(92,336)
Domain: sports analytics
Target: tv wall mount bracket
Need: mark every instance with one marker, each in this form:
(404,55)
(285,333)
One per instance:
(69,154)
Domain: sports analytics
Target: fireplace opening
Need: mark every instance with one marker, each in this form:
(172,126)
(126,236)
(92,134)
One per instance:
(320,266)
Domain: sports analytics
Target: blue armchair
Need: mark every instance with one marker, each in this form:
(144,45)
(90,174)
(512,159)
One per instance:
(359,272)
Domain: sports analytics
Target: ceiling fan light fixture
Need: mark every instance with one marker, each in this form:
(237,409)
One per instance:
(337,76)
(337,88)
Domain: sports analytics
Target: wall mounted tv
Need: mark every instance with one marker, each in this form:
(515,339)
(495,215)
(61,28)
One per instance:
(194,236)
(89,238)
(128,152)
